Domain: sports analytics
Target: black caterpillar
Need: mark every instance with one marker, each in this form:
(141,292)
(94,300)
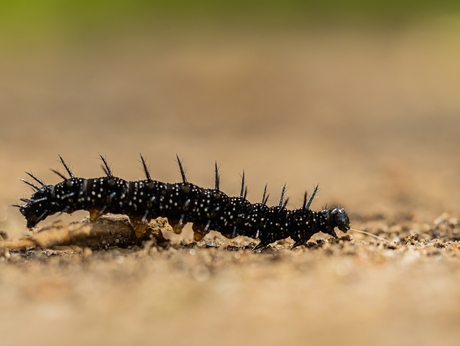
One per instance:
(207,209)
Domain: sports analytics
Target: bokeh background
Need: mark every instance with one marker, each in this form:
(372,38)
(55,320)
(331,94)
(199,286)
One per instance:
(362,97)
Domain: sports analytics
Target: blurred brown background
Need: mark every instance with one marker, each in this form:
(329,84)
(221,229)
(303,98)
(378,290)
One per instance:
(362,98)
(364,101)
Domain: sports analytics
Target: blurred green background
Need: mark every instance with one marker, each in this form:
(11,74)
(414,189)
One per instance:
(64,19)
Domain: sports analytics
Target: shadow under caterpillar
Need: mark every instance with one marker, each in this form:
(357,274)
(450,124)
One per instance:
(180,203)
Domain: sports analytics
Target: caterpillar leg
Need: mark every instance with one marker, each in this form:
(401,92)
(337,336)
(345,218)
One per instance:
(261,245)
(140,224)
(177,224)
(96,213)
(297,243)
(199,231)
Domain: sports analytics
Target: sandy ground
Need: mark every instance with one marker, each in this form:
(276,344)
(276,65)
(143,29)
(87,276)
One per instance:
(373,118)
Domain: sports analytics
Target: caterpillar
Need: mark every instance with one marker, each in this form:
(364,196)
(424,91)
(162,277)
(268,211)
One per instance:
(181,203)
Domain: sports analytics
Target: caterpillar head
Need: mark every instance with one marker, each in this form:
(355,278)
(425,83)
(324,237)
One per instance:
(340,219)
(38,207)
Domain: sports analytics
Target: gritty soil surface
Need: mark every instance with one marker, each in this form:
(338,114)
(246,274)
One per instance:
(373,118)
